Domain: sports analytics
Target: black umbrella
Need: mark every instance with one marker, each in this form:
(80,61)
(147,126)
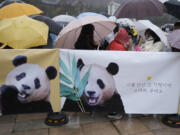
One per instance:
(140,9)
(7,2)
(173,7)
(53,26)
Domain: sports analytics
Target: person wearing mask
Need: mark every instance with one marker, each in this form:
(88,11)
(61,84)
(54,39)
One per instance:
(153,42)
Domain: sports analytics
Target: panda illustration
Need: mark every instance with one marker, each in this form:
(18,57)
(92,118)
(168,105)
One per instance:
(100,94)
(27,88)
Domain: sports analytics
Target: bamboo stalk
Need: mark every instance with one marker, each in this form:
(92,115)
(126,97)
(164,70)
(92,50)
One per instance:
(82,105)
(79,106)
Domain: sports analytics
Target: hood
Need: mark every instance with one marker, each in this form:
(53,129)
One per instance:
(122,37)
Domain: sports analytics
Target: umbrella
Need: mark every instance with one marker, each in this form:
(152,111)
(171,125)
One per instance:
(112,18)
(140,9)
(173,7)
(62,24)
(147,24)
(18,9)
(90,14)
(125,21)
(174,39)
(69,34)
(53,26)
(63,18)
(23,32)
(7,2)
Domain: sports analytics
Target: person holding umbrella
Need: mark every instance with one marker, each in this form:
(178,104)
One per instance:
(173,120)
(86,39)
(173,37)
(155,45)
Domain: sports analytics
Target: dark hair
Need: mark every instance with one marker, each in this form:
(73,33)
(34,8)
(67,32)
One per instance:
(153,34)
(86,38)
(177,25)
(116,29)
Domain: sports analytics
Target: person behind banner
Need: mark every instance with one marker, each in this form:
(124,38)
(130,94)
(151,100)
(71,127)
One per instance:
(121,41)
(86,39)
(109,38)
(176,28)
(153,42)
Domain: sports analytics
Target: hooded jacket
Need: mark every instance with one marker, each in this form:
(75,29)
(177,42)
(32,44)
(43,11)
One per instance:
(119,41)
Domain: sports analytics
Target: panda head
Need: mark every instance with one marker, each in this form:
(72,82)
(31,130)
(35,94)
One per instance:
(31,80)
(101,84)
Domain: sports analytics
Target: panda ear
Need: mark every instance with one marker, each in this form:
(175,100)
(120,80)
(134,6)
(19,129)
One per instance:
(51,72)
(80,64)
(113,68)
(19,60)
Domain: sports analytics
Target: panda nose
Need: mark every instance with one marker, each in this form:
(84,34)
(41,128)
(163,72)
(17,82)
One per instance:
(91,92)
(25,87)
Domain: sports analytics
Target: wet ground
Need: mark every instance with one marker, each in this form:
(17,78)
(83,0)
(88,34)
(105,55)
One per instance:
(84,124)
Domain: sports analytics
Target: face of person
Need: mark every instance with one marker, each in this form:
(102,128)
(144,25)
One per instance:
(147,35)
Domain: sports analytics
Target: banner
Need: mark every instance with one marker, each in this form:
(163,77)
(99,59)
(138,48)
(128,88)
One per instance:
(29,81)
(134,82)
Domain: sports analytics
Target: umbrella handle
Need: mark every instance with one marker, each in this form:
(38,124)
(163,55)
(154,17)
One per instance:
(4,45)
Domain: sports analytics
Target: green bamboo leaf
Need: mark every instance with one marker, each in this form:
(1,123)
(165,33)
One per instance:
(83,83)
(69,61)
(74,68)
(64,67)
(74,98)
(64,89)
(65,94)
(77,78)
(65,79)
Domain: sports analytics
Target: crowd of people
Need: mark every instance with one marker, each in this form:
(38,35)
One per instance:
(123,38)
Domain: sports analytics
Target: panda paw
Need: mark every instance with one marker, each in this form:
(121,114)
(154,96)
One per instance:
(8,89)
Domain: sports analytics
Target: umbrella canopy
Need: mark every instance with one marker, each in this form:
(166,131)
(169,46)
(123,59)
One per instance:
(7,2)
(140,9)
(90,14)
(53,26)
(23,32)
(174,39)
(18,9)
(173,7)
(125,21)
(63,18)
(69,34)
(145,24)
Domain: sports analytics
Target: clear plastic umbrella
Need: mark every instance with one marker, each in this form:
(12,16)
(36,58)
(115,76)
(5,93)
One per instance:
(63,18)
(147,24)
(174,39)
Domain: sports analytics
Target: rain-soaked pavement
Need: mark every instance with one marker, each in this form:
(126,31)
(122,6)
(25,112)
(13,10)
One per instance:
(84,124)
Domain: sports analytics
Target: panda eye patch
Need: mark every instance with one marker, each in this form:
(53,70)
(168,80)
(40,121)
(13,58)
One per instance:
(20,76)
(100,83)
(37,83)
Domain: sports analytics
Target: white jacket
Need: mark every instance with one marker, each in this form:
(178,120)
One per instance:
(152,47)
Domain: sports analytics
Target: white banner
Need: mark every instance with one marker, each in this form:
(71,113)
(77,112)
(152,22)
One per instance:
(147,82)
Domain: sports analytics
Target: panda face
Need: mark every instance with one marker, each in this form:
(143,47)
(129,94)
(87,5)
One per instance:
(100,86)
(31,81)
